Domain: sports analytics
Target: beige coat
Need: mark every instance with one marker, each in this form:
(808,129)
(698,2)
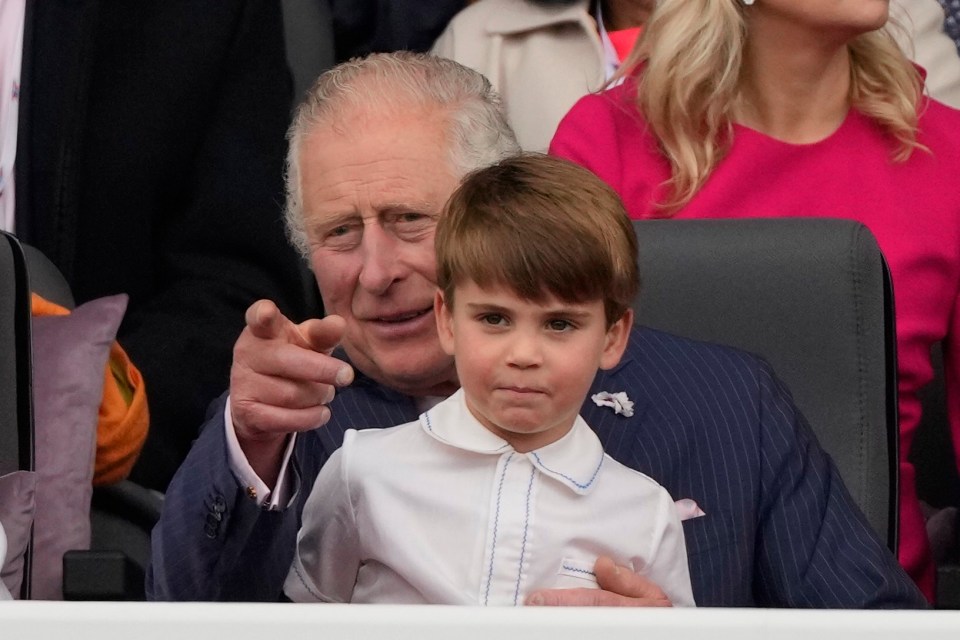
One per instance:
(540,59)
(543,59)
(931,48)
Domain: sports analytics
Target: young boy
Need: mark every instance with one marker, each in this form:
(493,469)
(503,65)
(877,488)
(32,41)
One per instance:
(502,489)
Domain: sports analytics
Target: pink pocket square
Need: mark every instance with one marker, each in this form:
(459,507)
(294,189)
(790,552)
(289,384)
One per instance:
(687,509)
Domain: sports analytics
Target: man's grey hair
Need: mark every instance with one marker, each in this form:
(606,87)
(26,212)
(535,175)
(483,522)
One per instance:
(477,128)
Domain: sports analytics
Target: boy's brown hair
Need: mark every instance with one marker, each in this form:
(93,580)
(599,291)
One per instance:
(539,225)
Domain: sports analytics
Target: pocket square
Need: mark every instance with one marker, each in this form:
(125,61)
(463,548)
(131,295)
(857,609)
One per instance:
(687,509)
(619,402)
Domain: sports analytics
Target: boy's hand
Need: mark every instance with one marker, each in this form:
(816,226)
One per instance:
(281,381)
(619,587)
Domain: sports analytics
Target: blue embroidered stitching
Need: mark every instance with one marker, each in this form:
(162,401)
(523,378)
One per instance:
(523,545)
(496,522)
(426,417)
(577,570)
(563,475)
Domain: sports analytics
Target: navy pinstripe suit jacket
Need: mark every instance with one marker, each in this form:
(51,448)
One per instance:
(710,423)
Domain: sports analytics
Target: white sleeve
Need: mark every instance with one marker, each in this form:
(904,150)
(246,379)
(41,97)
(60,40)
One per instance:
(287,483)
(667,560)
(930,48)
(327,557)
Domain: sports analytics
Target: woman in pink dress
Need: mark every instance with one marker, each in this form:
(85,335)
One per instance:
(765,108)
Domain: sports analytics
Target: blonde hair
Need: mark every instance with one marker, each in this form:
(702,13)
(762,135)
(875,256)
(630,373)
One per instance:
(691,55)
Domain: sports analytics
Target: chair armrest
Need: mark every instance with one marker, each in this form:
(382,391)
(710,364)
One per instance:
(101,575)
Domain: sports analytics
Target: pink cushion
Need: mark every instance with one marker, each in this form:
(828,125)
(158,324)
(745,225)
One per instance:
(69,363)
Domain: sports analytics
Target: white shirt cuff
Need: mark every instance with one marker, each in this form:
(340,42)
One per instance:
(273,500)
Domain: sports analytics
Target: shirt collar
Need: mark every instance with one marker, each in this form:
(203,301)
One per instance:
(574,460)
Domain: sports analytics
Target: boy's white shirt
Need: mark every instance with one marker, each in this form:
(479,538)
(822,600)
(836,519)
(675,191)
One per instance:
(441,510)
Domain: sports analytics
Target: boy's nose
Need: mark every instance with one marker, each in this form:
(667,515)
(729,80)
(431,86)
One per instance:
(525,352)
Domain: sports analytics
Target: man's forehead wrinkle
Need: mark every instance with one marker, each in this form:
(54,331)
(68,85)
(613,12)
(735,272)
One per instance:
(398,179)
(367,190)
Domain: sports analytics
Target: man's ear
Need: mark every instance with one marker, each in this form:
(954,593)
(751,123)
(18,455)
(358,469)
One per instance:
(618,335)
(444,316)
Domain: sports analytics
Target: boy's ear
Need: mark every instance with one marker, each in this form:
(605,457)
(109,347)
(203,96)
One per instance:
(444,322)
(618,335)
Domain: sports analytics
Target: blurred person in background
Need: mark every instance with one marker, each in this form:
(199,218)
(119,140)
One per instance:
(143,146)
(543,55)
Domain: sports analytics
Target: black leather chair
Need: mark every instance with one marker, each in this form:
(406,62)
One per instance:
(813,297)
(16,401)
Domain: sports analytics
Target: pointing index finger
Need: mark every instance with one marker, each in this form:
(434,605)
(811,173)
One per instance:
(264,319)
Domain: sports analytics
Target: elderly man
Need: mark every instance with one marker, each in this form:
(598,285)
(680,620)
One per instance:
(375,150)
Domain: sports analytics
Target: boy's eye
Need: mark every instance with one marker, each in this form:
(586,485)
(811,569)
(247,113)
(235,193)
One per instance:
(493,319)
(559,325)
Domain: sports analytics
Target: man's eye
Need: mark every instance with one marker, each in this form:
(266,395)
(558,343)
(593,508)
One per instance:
(560,325)
(343,236)
(493,319)
(411,225)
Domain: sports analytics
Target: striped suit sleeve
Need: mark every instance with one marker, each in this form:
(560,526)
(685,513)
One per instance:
(814,546)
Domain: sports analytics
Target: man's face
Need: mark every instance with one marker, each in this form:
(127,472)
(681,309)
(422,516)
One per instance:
(373,190)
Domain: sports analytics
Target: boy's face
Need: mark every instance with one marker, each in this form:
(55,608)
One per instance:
(526,367)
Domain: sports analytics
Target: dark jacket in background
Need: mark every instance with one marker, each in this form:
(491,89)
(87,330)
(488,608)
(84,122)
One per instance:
(149,161)
(369,26)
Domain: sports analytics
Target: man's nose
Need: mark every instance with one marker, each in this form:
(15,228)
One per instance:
(381,260)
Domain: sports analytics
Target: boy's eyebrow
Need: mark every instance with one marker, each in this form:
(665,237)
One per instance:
(568,311)
(484,306)
(571,312)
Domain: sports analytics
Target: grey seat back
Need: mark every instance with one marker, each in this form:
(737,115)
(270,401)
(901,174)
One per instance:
(46,279)
(811,296)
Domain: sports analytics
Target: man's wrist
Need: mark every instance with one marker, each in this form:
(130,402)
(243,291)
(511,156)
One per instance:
(261,468)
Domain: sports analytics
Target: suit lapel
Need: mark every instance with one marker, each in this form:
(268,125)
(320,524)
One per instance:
(619,433)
